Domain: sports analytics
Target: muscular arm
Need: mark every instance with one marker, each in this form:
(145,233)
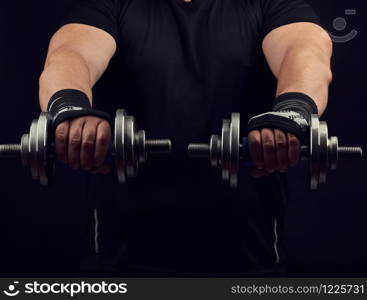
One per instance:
(299,56)
(77,57)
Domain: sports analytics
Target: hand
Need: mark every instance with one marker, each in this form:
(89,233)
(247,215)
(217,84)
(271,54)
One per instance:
(82,143)
(272,150)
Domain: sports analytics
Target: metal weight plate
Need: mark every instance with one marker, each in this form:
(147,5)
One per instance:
(333,146)
(130,132)
(314,152)
(234,149)
(119,143)
(44,163)
(140,146)
(324,161)
(32,150)
(226,149)
(25,150)
(215,153)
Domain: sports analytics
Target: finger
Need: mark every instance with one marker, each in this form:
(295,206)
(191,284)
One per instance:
(294,149)
(88,144)
(268,145)
(256,173)
(255,148)
(281,150)
(61,141)
(75,139)
(102,142)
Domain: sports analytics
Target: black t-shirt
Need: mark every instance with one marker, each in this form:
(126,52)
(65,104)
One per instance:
(183,68)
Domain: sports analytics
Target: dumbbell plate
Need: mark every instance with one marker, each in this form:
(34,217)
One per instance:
(127,141)
(130,133)
(40,162)
(230,147)
(215,150)
(32,150)
(235,149)
(324,160)
(119,145)
(25,149)
(314,154)
(46,160)
(333,146)
(226,149)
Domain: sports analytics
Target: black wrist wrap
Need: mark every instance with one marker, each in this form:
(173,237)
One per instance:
(297,102)
(291,113)
(68,104)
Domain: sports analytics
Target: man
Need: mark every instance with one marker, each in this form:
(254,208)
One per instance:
(183,67)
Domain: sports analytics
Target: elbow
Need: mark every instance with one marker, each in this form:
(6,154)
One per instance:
(327,50)
(43,80)
(329,76)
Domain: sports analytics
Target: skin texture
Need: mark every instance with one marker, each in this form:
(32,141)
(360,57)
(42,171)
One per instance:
(298,55)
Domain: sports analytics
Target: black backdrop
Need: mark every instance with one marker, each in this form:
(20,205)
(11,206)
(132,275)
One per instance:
(41,229)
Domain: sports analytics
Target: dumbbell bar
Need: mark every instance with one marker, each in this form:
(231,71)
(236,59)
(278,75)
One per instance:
(128,150)
(225,151)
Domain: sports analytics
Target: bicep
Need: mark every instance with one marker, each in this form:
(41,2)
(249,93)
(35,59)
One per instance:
(301,35)
(95,46)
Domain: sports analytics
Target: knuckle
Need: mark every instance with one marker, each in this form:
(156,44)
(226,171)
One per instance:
(80,120)
(253,133)
(293,141)
(281,144)
(253,136)
(61,138)
(268,144)
(104,122)
(88,144)
(75,141)
(103,140)
(61,130)
(92,121)
(61,133)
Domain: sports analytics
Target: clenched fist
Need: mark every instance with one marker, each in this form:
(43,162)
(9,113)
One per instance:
(82,143)
(272,150)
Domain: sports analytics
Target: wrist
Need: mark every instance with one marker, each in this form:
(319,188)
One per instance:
(298,103)
(68,100)
(70,104)
(291,113)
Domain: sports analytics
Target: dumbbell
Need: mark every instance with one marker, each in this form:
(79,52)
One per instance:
(225,151)
(129,148)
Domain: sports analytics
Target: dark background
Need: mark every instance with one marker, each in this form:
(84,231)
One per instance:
(41,229)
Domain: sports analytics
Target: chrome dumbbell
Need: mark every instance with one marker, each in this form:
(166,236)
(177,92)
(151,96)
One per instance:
(226,152)
(129,148)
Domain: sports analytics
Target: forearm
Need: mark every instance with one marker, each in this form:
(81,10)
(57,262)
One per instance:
(306,70)
(64,69)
